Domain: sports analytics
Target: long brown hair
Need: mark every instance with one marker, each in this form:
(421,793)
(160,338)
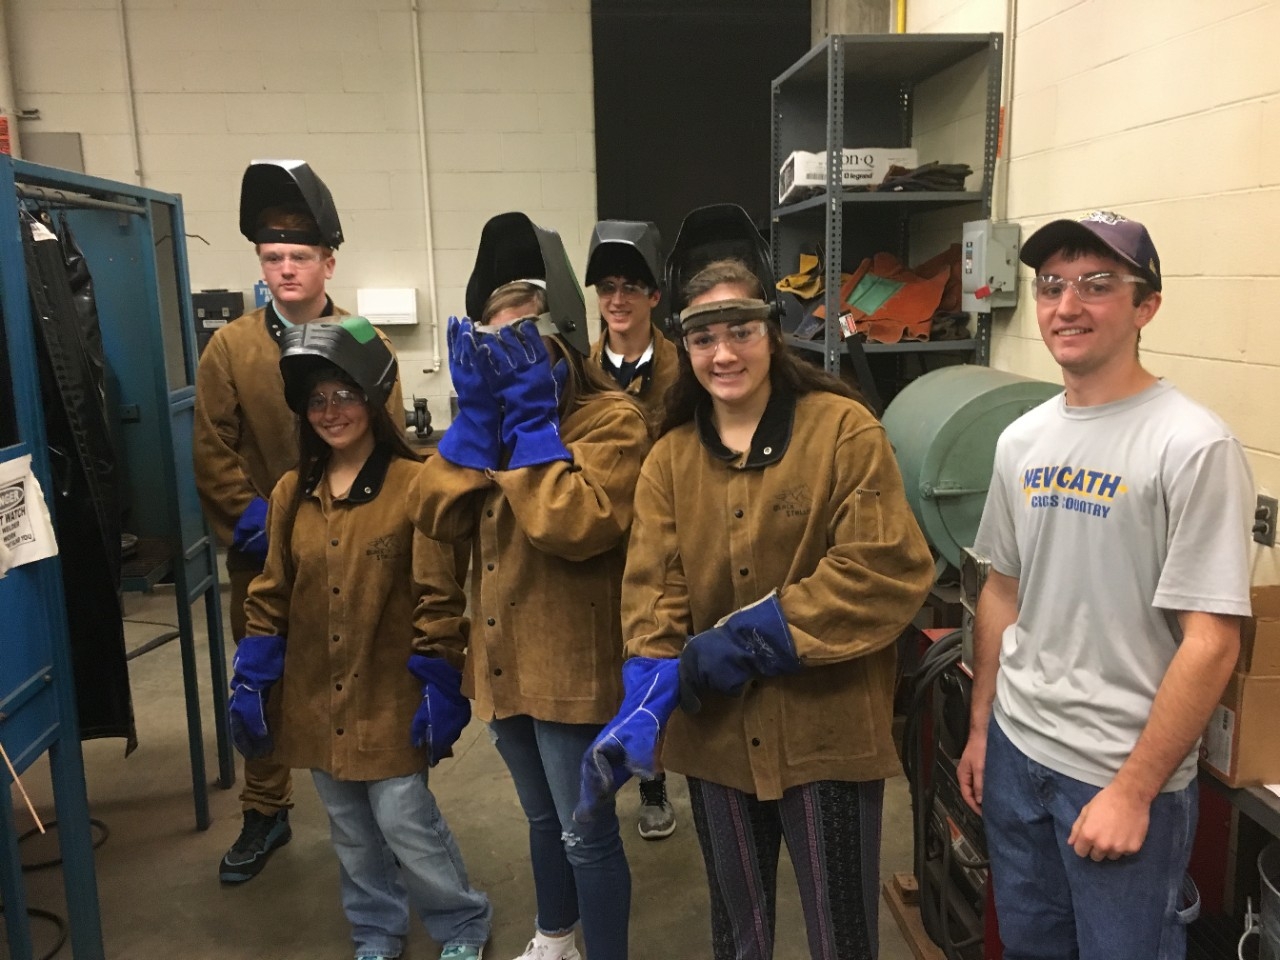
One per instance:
(314,453)
(785,370)
(586,380)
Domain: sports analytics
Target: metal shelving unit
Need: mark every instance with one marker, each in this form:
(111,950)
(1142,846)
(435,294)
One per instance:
(852,91)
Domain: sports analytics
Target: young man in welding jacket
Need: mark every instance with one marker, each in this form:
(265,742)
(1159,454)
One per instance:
(623,263)
(1117,524)
(245,435)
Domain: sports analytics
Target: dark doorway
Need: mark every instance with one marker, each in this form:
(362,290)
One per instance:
(682,103)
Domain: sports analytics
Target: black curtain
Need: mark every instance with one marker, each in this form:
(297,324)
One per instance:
(682,103)
(85,495)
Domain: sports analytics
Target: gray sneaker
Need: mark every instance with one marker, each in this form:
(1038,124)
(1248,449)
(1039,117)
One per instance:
(657,818)
(262,833)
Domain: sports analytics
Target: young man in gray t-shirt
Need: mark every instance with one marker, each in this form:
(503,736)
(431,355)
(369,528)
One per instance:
(1117,525)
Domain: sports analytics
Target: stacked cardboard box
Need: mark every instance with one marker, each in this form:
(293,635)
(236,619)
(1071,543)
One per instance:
(1242,742)
(803,172)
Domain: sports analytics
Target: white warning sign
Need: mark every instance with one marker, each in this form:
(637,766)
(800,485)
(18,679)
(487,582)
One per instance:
(26,533)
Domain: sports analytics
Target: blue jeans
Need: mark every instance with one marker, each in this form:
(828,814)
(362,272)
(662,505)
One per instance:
(1053,903)
(579,870)
(374,823)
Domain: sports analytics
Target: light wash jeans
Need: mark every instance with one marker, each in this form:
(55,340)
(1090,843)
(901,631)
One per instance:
(579,870)
(1052,903)
(373,824)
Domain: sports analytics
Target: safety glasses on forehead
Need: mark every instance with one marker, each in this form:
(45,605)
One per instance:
(1089,288)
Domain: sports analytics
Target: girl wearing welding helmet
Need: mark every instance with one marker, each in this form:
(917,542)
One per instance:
(356,636)
(538,469)
(773,562)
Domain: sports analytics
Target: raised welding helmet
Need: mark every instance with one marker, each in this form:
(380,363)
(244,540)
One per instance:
(288,183)
(351,344)
(625,248)
(513,247)
(720,231)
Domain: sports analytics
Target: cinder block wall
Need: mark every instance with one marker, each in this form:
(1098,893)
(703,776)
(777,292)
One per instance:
(1169,113)
(217,83)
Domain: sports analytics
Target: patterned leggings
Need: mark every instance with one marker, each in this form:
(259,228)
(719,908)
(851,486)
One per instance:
(832,829)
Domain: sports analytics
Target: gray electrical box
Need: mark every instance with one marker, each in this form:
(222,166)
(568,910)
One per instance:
(989,266)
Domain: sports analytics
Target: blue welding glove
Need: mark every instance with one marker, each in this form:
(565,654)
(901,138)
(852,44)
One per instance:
(519,371)
(444,711)
(754,641)
(250,534)
(474,438)
(626,746)
(258,664)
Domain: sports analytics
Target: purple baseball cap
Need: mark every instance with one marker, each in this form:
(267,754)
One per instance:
(1127,239)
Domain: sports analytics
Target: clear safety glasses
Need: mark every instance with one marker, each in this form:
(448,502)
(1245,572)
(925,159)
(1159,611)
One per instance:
(339,399)
(1090,288)
(736,337)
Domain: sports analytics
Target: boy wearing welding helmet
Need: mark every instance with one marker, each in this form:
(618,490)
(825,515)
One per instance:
(623,264)
(245,434)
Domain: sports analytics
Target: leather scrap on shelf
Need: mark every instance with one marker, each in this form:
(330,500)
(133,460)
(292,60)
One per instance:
(886,302)
(950,259)
(927,177)
(949,326)
(806,283)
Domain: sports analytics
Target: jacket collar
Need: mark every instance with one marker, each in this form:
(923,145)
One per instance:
(276,326)
(368,481)
(772,436)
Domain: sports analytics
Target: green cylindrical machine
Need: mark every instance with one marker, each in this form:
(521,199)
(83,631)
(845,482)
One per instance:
(943,427)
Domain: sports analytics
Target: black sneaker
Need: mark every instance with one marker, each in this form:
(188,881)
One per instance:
(657,818)
(261,834)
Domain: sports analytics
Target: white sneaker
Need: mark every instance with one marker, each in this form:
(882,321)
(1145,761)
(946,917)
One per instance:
(542,947)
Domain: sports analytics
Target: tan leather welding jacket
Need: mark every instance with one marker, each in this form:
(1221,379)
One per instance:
(359,591)
(650,386)
(245,437)
(549,545)
(815,510)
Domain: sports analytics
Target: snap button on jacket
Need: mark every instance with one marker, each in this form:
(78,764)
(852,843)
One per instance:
(367,591)
(828,525)
(650,389)
(549,546)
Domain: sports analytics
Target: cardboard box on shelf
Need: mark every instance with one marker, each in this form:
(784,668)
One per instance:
(1241,745)
(860,167)
(1260,635)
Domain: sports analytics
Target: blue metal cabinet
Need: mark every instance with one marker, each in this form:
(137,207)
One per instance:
(132,240)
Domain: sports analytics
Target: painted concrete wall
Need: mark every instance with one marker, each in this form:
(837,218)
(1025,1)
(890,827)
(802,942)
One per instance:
(1168,113)
(508,107)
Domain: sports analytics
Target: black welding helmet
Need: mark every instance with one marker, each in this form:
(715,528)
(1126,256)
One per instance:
(513,247)
(721,231)
(350,344)
(290,184)
(625,248)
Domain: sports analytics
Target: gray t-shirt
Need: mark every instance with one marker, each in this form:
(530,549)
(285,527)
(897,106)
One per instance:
(1112,518)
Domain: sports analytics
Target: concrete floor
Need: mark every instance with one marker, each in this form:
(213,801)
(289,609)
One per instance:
(157,875)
